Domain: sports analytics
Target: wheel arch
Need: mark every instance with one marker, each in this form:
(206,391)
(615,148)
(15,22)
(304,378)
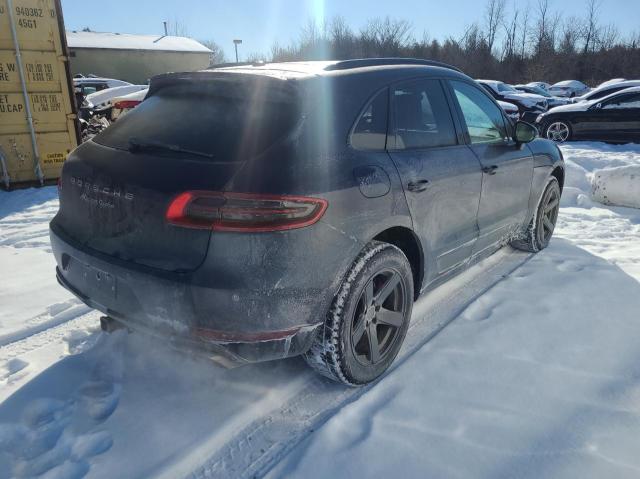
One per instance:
(406,240)
(558,173)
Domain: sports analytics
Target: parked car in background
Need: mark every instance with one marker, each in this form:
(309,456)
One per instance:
(609,82)
(103,99)
(510,110)
(540,84)
(91,84)
(568,88)
(123,104)
(175,221)
(615,117)
(529,106)
(552,101)
(607,89)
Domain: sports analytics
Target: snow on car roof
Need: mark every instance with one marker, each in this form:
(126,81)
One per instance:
(127,41)
(573,83)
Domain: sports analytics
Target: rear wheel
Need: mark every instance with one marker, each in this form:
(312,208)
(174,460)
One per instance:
(368,319)
(543,223)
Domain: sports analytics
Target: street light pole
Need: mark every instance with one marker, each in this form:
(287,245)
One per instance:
(235,44)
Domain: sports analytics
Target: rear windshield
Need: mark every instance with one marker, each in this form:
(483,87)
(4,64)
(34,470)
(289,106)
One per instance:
(229,121)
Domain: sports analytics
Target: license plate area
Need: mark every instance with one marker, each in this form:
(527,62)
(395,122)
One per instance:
(89,280)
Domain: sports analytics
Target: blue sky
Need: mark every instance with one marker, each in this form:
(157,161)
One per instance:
(259,23)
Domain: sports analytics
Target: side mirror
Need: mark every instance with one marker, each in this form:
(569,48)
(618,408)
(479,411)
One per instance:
(525,132)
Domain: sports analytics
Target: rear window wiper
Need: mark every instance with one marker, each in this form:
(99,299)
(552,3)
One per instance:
(136,145)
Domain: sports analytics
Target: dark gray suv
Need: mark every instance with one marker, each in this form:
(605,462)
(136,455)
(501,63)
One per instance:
(263,211)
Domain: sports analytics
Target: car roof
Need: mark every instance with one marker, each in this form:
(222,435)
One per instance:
(300,70)
(635,89)
(490,82)
(569,83)
(626,83)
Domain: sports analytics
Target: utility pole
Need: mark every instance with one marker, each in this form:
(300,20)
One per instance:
(165,29)
(235,44)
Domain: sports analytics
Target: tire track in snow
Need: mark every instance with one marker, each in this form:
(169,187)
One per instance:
(256,449)
(56,334)
(58,313)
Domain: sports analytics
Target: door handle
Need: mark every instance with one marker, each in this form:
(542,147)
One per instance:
(418,185)
(490,170)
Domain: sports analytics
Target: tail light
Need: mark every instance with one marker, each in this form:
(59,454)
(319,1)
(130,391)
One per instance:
(243,212)
(124,104)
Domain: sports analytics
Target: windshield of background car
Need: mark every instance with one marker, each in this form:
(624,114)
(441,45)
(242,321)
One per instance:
(231,121)
(505,87)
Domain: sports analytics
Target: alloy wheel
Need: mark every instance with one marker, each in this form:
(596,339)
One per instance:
(378,318)
(558,131)
(548,215)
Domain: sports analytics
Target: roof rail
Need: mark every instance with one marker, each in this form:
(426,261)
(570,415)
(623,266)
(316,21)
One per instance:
(374,62)
(236,64)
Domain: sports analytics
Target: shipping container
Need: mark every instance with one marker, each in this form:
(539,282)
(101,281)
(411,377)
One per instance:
(38,117)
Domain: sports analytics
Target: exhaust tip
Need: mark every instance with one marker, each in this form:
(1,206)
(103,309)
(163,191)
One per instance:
(109,325)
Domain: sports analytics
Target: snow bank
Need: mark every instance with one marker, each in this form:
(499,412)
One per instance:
(508,390)
(617,186)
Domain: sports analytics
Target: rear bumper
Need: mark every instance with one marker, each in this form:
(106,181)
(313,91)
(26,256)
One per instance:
(269,323)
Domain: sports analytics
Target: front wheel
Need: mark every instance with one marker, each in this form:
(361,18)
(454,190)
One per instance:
(543,223)
(558,131)
(368,319)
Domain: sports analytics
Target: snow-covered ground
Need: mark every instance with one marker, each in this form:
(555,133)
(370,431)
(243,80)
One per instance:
(536,375)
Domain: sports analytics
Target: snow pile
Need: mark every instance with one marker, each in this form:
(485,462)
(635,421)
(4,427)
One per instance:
(584,161)
(537,378)
(617,186)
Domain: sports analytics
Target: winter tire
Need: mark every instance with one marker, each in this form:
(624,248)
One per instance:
(543,223)
(368,319)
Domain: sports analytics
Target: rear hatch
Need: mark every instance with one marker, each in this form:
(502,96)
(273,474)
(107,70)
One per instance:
(193,132)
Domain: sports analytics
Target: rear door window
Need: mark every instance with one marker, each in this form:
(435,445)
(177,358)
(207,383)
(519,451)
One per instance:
(230,121)
(422,118)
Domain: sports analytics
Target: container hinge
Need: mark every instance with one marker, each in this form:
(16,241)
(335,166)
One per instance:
(71,116)
(63,58)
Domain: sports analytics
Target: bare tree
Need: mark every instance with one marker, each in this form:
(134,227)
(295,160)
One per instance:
(510,35)
(524,31)
(494,16)
(177,28)
(217,54)
(386,36)
(591,28)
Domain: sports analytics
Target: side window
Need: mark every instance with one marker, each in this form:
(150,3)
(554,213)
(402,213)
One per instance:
(623,101)
(604,93)
(422,116)
(484,119)
(370,132)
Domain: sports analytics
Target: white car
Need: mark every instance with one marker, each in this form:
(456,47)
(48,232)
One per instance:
(123,104)
(102,100)
(510,109)
(612,81)
(539,84)
(568,88)
(606,89)
(89,85)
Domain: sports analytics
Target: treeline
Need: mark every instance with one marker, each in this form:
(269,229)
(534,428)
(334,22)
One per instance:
(509,44)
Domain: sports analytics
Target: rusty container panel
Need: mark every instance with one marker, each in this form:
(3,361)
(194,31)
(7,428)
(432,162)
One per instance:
(43,57)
